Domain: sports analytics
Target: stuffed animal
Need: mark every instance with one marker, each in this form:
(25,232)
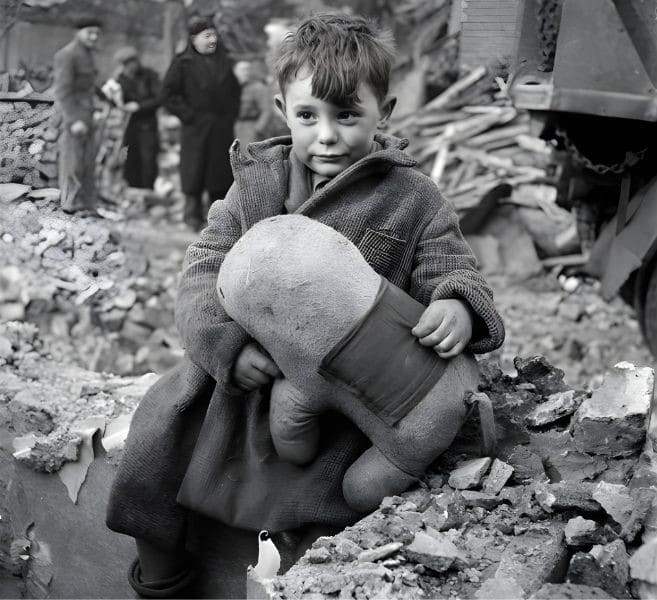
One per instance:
(340,334)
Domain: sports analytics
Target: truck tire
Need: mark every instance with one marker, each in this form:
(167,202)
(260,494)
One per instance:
(648,312)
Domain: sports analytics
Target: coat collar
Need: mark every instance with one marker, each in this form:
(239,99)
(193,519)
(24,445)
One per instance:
(261,174)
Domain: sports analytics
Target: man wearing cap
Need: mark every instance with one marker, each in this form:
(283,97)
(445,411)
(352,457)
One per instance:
(140,88)
(75,75)
(202,91)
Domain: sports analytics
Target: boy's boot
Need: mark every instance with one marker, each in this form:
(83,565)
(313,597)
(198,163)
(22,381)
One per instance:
(157,573)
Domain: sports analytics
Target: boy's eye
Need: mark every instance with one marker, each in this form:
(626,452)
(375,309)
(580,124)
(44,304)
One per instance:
(305,115)
(347,115)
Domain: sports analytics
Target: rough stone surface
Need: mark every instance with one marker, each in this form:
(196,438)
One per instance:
(500,588)
(537,557)
(469,474)
(527,466)
(584,532)
(556,407)
(605,567)
(435,551)
(499,474)
(481,499)
(643,563)
(567,591)
(567,496)
(612,422)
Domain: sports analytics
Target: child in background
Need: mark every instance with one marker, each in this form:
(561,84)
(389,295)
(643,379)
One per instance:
(202,431)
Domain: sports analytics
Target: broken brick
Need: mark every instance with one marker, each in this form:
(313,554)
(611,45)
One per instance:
(559,591)
(585,532)
(537,370)
(481,499)
(605,566)
(499,474)
(537,557)
(612,422)
(556,407)
(527,466)
(435,551)
(566,496)
(469,474)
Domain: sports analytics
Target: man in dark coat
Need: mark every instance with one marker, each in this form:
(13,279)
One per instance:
(75,76)
(140,87)
(202,91)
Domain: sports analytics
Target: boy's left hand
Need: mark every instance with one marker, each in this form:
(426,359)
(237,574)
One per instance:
(446,325)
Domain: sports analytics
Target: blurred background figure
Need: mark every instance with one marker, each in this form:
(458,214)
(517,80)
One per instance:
(201,89)
(141,96)
(255,103)
(75,87)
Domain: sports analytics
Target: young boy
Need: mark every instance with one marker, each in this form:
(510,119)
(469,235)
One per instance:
(200,439)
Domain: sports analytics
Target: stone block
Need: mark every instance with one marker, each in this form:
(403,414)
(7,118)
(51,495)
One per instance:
(643,569)
(481,499)
(447,512)
(559,591)
(567,496)
(585,532)
(469,474)
(556,407)
(605,566)
(500,588)
(499,474)
(613,421)
(527,466)
(435,551)
(615,500)
(535,558)
(538,371)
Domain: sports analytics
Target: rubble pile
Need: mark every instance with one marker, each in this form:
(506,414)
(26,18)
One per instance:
(470,139)
(95,301)
(28,143)
(567,508)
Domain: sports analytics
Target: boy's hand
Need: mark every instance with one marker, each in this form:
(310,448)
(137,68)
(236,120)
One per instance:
(253,368)
(446,325)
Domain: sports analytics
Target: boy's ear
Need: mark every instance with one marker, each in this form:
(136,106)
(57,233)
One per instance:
(387,106)
(279,102)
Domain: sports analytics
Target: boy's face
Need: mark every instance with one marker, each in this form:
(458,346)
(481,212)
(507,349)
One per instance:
(329,138)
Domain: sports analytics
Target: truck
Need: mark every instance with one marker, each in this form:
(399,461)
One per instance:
(586,70)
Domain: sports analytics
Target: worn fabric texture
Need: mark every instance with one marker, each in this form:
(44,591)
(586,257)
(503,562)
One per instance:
(204,94)
(141,134)
(74,77)
(407,232)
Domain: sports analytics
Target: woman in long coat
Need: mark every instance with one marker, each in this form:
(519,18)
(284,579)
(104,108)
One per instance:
(202,91)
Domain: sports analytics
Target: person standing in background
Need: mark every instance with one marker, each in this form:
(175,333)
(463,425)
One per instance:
(75,86)
(201,89)
(140,87)
(255,106)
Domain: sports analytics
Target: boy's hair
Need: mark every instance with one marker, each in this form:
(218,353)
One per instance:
(341,51)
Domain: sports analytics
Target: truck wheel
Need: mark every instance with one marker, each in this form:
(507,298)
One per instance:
(648,312)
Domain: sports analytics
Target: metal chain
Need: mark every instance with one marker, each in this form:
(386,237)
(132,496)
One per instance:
(631,158)
(548,14)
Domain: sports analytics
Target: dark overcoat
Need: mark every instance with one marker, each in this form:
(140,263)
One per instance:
(141,134)
(197,441)
(202,91)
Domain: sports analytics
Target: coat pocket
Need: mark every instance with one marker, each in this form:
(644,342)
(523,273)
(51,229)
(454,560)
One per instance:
(382,250)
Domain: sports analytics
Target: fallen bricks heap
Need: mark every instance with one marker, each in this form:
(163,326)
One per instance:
(566,508)
(91,297)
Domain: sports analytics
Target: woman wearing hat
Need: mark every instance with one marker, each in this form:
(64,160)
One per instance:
(202,91)
(140,87)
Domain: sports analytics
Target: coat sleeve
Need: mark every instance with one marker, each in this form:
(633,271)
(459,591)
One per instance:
(154,98)
(64,76)
(211,338)
(173,93)
(445,267)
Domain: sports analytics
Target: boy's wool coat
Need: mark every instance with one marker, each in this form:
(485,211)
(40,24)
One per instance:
(199,442)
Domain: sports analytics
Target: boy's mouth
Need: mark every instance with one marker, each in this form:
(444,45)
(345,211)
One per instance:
(329,157)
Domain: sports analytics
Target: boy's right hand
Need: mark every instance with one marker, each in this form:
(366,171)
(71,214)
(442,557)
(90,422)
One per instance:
(253,368)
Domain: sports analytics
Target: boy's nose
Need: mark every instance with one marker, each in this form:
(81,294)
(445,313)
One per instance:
(327,134)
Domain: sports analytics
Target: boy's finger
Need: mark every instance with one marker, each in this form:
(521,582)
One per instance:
(438,336)
(267,365)
(455,351)
(427,324)
(447,343)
